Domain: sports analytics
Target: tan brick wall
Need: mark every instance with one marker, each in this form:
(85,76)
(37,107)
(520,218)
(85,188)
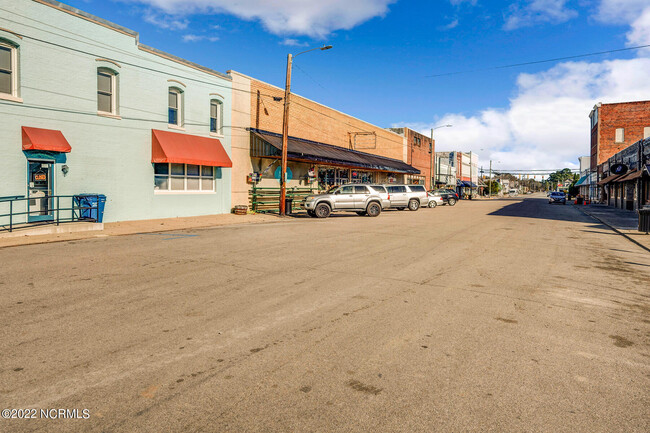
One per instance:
(632,116)
(313,121)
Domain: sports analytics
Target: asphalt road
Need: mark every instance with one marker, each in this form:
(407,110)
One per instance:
(503,315)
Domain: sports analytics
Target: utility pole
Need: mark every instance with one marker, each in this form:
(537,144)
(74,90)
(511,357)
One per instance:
(490,184)
(431,171)
(285,139)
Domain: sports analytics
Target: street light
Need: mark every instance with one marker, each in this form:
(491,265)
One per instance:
(285,128)
(431,172)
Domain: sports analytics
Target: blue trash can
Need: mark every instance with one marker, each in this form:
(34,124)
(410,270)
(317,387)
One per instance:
(92,206)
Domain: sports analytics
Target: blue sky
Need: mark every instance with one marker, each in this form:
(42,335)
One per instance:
(384,50)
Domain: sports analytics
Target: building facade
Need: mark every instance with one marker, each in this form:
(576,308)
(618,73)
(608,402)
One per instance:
(145,128)
(626,177)
(446,170)
(419,154)
(325,146)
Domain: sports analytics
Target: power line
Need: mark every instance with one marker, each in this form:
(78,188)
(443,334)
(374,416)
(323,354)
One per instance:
(536,62)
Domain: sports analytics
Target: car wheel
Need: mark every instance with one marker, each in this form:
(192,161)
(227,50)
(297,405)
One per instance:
(432,204)
(361,213)
(373,209)
(323,210)
(451,201)
(414,205)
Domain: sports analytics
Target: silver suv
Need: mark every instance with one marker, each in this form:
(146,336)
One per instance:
(363,199)
(411,196)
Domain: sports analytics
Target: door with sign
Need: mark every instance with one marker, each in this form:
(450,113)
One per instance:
(39,191)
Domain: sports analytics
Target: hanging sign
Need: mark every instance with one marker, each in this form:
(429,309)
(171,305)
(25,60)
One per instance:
(39,176)
(618,169)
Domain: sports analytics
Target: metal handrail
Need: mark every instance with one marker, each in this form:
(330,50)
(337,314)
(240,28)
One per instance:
(57,209)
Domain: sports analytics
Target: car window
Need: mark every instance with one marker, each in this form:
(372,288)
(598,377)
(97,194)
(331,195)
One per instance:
(347,190)
(417,188)
(378,188)
(400,189)
(359,189)
(391,188)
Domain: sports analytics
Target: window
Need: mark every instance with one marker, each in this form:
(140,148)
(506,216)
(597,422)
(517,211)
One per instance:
(347,190)
(216,116)
(175,113)
(106,91)
(360,190)
(183,177)
(646,132)
(8,70)
(620,135)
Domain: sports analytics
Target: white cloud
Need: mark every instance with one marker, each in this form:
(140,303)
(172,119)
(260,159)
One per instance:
(620,11)
(198,38)
(639,33)
(165,21)
(452,25)
(546,124)
(536,12)
(283,17)
(293,43)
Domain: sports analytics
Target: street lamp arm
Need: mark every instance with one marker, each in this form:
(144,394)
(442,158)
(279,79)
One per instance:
(323,48)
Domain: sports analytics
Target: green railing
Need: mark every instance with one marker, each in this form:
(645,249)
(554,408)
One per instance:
(268,199)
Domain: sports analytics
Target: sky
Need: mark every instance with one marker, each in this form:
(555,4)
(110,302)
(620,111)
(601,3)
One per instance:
(386,54)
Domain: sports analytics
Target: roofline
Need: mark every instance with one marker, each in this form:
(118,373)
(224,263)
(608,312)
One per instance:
(128,32)
(621,103)
(231,71)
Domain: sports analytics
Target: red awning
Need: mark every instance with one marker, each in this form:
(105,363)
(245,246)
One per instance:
(187,149)
(44,139)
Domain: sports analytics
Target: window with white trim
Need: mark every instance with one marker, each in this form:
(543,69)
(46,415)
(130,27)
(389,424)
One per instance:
(646,132)
(106,91)
(620,135)
(8,69)
(216,116)
(175,109)
(183,177)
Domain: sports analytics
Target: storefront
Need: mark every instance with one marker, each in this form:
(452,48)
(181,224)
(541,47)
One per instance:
(320,165)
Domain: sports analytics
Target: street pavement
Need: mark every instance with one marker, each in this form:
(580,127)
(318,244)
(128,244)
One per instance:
(492,315)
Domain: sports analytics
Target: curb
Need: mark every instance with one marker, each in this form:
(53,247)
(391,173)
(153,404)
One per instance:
(615,229)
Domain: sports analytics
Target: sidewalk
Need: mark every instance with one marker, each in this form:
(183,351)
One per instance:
(133,227)
(622,221)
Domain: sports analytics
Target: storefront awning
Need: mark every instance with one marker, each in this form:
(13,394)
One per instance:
(632,175)
(608,179)
(187,149)
(307,150)
(582,180)
(44,139)
(466,184)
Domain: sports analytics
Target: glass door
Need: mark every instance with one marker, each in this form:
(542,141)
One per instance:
(39,191)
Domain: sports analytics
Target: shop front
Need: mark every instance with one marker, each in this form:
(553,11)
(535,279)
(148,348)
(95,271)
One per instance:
(319,166)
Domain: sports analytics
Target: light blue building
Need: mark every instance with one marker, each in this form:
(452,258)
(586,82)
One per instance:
(86,108)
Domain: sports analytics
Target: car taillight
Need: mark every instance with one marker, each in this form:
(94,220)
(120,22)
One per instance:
(388,196)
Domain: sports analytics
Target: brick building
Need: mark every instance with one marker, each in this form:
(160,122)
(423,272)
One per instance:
(326,147)
(615,127)
(418,153)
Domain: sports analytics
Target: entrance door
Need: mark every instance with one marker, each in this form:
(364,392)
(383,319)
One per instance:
(39,191)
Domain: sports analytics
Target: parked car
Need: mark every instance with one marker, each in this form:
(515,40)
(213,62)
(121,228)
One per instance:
(557,197)
(435,200)
(449,196)
(411,196)
(363,199)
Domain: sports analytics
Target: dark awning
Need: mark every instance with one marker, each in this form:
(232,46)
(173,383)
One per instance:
(44,139)
(632,175)
(187,149)
(307,150)
(608,179)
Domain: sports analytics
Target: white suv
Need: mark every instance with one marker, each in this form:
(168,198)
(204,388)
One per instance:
(411,196)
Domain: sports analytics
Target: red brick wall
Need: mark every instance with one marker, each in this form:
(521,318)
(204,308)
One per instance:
(312,121)
(418,153)
(632,116)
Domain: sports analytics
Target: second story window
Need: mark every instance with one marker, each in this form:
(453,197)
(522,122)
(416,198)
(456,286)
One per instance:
(620,135)
(106,91)
(8,70)
(216,116)
(175,111)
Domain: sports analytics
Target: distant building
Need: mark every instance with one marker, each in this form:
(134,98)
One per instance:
(457,170)
(418,148)
(615,127)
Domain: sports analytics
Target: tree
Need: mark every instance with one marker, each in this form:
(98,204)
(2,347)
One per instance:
(560,176)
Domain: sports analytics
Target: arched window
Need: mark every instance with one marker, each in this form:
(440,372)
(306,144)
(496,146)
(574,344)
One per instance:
(8,69)
(106,91)
(216,116)
(175,111)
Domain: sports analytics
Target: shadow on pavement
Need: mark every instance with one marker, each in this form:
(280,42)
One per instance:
(539,208)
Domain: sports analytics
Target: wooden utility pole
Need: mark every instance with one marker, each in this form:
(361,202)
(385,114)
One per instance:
(490,184)
(285,139)
(431,171)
